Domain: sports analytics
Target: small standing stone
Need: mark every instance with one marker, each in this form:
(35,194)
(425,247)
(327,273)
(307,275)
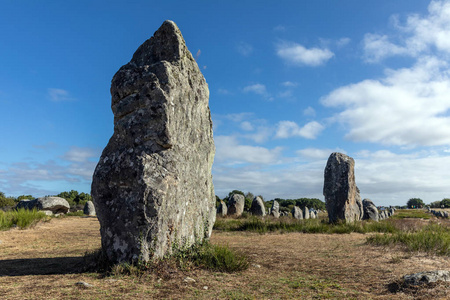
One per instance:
(297,213)
(258,208)
(89,209)
(236,203)
(222,209)
(306,213)
(275,209)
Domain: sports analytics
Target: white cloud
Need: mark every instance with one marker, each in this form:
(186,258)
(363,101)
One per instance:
(40,179)
(389,178)
(257,88)
(247,126)
(244,49)
(286,129)
(377,47)
(298,55)
(58,95)
(309,111)
(289,84)
(343,42)
(408,107)
(419,35)
(279,28)
(317,153)
(224,92)
(230,151)
(79,154)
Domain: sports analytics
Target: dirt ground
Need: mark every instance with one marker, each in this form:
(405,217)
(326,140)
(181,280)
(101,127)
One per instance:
(44,263)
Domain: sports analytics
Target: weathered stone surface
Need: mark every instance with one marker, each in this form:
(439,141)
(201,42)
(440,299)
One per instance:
(27,204)
(427,277)
(236,203)
(275,209)
(340,191)
(370,210)
(56,205)
(305,213)
(89,209)
(297,213)
(258,208)
(312,215)
(222,209)
(153,186)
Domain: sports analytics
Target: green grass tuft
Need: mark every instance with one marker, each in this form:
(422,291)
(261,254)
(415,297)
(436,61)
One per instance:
(433,238)
(284,225)
(22,218)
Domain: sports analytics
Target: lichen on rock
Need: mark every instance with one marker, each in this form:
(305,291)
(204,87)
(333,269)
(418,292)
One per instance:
(153,186)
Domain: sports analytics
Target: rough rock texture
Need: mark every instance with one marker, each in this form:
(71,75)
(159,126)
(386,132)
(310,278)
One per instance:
(55,205)
(89,209)
(427,277)
(257,208)
(312,215)
(153,186)
(222,209)
(340,191)
(236,203)
(275,209)
(297,213)
(370,210)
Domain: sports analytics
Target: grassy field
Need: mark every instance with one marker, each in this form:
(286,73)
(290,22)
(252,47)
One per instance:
(47,261)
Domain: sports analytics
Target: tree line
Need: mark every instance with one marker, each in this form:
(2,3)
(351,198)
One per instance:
(73,197)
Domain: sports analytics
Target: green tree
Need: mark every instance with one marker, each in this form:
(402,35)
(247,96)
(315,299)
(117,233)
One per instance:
(6,201)
(415,203)
(25,197)
(435,204)
(445,202)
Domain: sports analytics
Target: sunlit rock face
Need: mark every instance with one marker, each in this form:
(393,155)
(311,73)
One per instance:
(153,186)
(342,197)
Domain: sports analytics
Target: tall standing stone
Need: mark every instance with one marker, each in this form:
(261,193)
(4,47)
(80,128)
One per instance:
(258,208)
(340,191)
(306,213)
(275,209)
(153,186)
(236,203)
(297,213)
(222,209)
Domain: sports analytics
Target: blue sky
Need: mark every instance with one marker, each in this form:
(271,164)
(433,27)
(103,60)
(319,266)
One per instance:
(290,82)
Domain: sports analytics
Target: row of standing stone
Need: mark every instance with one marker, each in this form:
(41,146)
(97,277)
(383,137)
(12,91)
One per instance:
(236,204)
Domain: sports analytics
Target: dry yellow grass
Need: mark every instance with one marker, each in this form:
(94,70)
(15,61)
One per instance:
(44,263)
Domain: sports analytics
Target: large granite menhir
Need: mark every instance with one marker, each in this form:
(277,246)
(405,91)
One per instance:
(342,197)
(153,186)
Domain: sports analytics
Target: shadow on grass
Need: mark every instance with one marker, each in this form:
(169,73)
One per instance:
(42,266)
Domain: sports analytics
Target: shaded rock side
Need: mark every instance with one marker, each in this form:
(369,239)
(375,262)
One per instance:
(236,203)
(341,195)
(275,209)
(89,209)
(153,186)
(257,208)
(370,210)
(222,209)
